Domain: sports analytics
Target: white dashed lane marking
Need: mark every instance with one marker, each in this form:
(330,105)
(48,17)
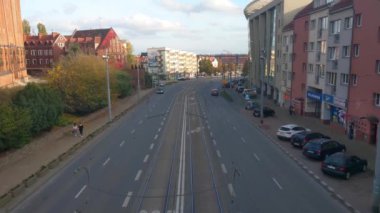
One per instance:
(277,183)
(122,143)
(224,169)
(138,175)
(133,131)
(151,146)
(80,191)
(155,137)
(146,158)
(243,140)
(257,157)
(106,162)
(127,199)
(231,190)
(218,153)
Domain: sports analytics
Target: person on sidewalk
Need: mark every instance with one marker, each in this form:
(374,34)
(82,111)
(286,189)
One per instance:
(75,129)
(80,127)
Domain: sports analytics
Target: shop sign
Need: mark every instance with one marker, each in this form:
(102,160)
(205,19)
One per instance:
(328,98)
(314,95)
(340,102)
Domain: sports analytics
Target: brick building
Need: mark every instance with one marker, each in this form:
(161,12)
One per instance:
(12,60)
(42,51)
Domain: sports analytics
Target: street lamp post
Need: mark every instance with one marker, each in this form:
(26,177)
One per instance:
(376,181)
(106,58)
(263,58)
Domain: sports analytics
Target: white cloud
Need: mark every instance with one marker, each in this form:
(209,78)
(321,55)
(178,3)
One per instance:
(225,6)
(69,8)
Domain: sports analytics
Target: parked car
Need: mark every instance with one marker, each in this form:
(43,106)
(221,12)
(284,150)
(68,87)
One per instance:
(240,89)
(300,139)
(320,148)
(214,92)
(266,110)
(340,164)
(288,130)
(251,92)
(160,91)
(250,105)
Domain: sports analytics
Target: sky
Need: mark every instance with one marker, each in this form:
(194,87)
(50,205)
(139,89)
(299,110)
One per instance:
(198,26)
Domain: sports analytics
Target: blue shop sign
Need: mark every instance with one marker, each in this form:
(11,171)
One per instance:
(328,98)
(314,95)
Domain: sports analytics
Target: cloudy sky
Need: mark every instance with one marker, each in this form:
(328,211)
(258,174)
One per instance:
(200,26)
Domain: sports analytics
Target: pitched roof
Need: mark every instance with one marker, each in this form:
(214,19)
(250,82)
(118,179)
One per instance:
(91,33)
(51,38)
(305,11)
(288,27)
(341,5)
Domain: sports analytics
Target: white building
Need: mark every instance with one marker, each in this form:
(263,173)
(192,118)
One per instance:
(170,63)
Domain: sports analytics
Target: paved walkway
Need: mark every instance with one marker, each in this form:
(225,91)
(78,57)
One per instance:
(17,165)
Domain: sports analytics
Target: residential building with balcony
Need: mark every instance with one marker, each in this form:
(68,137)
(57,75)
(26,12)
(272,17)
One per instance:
(286,64)
(169,63)
(266,18)
(43,51)
(364,88)
(338,68)
(12,53)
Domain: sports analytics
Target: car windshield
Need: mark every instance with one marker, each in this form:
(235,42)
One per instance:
(284,129)
(336,160)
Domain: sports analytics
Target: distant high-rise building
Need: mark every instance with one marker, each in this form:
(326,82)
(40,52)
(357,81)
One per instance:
(12,56)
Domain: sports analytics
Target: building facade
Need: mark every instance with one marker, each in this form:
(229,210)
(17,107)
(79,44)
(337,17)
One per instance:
(12,56)
(266,18)
(43,51)
(100,42)
(169,63)
(286,65)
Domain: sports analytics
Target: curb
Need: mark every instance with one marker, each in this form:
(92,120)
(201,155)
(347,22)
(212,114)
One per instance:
(33,178)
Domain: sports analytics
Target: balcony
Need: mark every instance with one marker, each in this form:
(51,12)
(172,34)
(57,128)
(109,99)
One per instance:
(336,38)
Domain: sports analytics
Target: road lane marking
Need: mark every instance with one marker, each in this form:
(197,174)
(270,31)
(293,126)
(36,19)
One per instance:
(141,121)
(138,175)
(231,190)
(127,199)
(80,191)
(214,142)
(122,143)
(133,131)
(164,119)
(155,137)
(151,146)
(243,140)
(224,169)
(106,162)
(146,158)
(180,201)
(257,157)
(277,183)
(218,153)
(211,134)
(159,129)
(162,123)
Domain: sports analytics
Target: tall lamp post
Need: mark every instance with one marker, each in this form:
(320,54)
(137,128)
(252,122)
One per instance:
(264,59)
(106,58)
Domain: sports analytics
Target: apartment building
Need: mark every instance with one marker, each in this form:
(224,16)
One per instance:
(172,64)
(364,88)
(266,18)
(12,59)
(286,65)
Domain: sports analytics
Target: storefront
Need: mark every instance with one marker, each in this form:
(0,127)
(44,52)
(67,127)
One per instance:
(314,102)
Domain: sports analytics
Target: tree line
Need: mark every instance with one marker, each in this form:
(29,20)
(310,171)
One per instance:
(206,67)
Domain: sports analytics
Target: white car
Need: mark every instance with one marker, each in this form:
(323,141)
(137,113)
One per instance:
(288,130)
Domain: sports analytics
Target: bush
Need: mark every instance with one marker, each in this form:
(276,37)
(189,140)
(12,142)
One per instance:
(148,80)
(43,103)
(15,127)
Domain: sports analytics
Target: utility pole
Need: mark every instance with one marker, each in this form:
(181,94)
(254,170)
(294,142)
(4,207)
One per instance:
(264,59)
(138,81)
(376,181)
(106,58)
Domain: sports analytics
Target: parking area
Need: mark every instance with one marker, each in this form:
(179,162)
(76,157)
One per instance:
(355,192)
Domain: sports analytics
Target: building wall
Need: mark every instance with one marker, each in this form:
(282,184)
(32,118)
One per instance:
(286,67)
(361,100)
(12,60)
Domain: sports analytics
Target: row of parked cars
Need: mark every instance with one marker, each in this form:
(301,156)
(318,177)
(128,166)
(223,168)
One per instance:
(318,146)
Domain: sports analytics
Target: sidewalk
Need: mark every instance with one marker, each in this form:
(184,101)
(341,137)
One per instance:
(18,165)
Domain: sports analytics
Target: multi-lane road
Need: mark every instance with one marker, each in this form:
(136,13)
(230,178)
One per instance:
(183,151)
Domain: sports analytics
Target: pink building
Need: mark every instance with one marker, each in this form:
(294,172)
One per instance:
(364,92)
(300,40)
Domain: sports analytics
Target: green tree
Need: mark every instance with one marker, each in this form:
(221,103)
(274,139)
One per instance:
(15,127)
(81,81)
(44,104)
(148,80)
(131,59)
(73,49)
(205,66)
(246,68)
(26,27)
(123,84)
(41,29)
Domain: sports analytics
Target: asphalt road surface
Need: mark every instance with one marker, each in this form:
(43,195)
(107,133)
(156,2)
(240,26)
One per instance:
(182,151)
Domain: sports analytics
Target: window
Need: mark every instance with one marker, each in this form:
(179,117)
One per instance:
(323,23)
(304,67)
(329,1)
(46,52)
(331,78)
(333,53)
(346,51)
(46,61)
(34,61)
(311,68)
(306,25)
(376,97)
(335,27)
(378,66)
(26,52)
(50,52)
(356,50)
(323,47)
(312,24)
(311,46)
(41,60)
(348,23)
(39,52)
(344,79)
(33,52)
(323,70)
(305,46)
(358,19)
(27,61)
(354,80)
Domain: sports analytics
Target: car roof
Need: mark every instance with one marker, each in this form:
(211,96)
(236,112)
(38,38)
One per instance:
(289,125)
(320,140)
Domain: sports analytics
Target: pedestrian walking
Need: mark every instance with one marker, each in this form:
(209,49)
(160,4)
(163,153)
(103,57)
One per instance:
(75,129)
(80,127)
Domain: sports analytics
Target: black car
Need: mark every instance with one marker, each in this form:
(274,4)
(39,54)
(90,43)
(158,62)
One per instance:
(343,165)
(240,89)
(300,139)
(320,148)
(267,111)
